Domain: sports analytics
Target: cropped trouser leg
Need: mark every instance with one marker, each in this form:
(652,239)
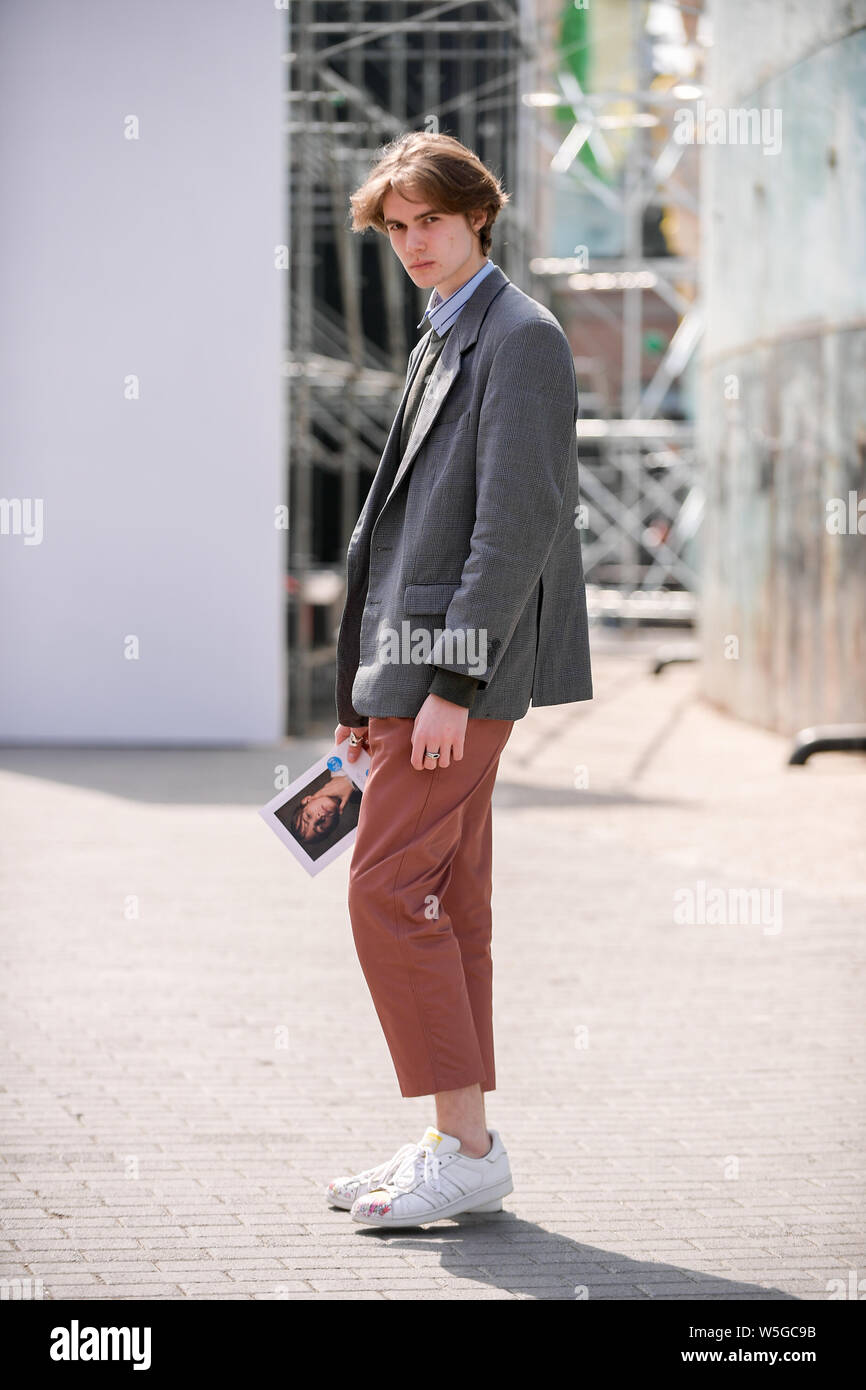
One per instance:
(420,886)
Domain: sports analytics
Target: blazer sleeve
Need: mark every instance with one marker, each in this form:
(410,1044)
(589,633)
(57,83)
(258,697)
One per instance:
(524,442)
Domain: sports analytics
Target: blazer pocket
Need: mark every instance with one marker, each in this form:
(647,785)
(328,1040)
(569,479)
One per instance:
(428,598)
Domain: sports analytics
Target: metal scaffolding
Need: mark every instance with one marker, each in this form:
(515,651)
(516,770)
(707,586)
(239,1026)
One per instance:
(639,475)
(358,75)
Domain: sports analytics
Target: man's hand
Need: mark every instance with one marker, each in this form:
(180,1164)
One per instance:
(343,731)
(439,724)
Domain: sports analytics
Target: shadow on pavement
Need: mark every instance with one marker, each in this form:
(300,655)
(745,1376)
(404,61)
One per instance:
(519,1257)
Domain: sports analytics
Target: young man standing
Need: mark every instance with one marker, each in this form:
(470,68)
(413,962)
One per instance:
(465,600)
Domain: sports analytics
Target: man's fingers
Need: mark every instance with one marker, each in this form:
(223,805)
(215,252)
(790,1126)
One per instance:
(417,758)
(343,731)
(431,730)
(425,764)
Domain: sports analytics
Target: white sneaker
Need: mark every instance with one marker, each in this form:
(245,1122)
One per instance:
(436,1181)
(342,1192)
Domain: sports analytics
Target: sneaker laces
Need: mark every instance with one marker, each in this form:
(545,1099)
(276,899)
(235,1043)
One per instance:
(373,1177)
(408,1174)
(385,1170)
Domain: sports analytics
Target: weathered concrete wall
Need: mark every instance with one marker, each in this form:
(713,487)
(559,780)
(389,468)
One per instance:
(782,420)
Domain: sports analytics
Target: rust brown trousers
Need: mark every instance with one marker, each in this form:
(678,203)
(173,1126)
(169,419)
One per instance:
(420,885)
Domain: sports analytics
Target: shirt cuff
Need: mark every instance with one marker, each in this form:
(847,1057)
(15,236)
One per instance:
(454,686)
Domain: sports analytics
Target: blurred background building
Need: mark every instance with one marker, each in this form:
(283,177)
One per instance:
(202,360)
(574,108)
(626,198)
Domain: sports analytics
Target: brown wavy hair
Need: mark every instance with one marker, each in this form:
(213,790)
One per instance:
(423,166)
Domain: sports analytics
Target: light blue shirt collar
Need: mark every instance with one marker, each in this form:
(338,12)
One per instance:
(442,313)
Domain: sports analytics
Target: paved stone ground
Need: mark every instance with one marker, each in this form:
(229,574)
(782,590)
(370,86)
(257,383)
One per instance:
(682,1103)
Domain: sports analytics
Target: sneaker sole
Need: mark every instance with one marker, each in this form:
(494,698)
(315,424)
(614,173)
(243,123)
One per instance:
(492,1202)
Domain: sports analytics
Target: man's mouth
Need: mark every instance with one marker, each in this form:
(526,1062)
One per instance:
(420,265)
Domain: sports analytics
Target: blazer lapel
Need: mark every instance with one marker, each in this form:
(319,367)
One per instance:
(379,487)
(447,369)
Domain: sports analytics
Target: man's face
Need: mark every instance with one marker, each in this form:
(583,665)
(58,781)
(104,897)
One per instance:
(437,248)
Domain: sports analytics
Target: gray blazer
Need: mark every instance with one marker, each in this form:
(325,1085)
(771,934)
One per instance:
(470,542)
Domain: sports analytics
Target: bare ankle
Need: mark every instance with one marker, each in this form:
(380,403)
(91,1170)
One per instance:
(476,1148)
